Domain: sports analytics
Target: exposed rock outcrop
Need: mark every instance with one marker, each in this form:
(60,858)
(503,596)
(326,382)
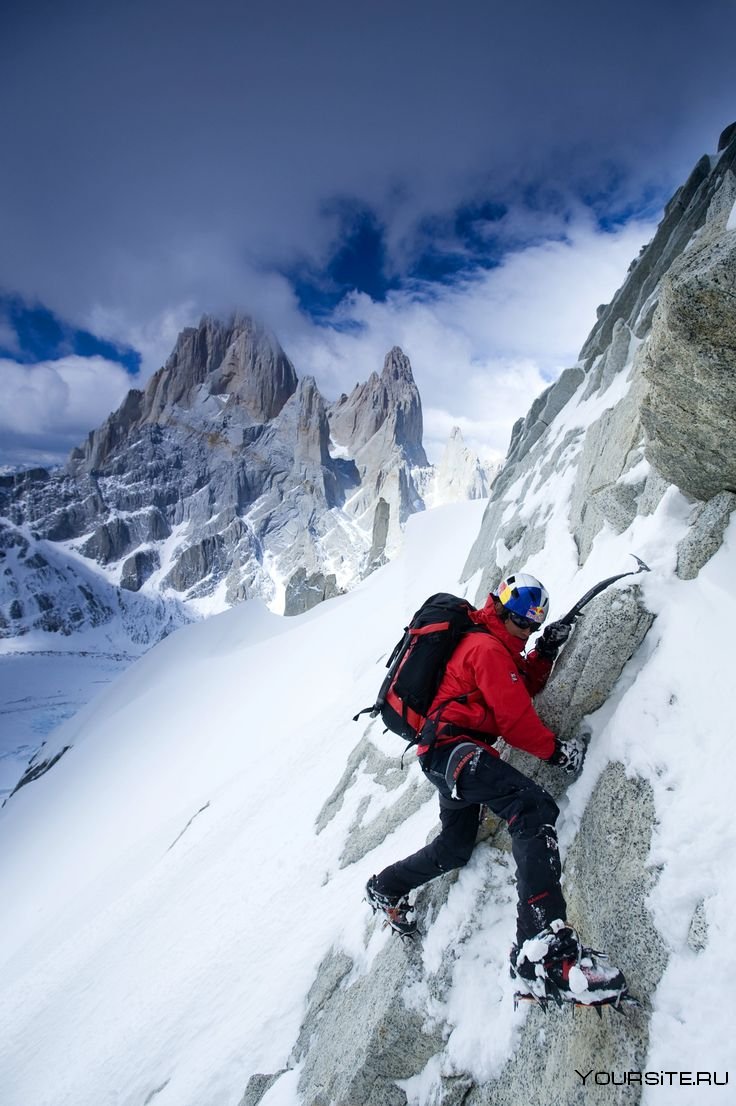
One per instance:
(304,592)
(705,536)
(690,362)
(606,636)
(404,796)
(381,519)
(528,430)
(357,1040)
(684,215)
(138,568)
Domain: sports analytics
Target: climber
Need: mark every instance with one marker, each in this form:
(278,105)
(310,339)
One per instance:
(487,688)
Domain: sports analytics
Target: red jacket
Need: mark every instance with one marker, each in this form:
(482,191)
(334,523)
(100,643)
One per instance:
(499,683)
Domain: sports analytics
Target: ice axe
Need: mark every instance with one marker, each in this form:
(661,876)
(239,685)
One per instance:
(573,613)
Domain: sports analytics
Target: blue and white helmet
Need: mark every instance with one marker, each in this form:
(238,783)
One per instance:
(524,596)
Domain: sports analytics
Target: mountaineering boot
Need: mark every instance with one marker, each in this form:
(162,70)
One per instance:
(396,910)
(555,965)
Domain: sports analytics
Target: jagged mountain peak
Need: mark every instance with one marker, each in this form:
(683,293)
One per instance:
(239,358)
(388,403)
(397,365)
(238,362)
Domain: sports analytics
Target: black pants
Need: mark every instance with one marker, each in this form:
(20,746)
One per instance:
(530,812)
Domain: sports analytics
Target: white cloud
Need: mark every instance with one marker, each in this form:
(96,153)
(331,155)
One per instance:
(483,348)
(48,407)
(153,338)
(154,299)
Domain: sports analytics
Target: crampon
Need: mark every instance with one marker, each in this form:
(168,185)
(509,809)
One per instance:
(620,1003)
(395,911)
(555,967)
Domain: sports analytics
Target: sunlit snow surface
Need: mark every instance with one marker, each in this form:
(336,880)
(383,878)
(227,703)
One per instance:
(165,900)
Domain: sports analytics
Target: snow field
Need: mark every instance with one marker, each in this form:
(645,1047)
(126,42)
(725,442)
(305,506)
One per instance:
(186,967)
(166,901)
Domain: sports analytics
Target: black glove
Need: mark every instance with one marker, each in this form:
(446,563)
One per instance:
(569,754)
(554,635)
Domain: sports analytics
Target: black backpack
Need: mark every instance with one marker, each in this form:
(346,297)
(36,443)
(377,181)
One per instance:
(416,667)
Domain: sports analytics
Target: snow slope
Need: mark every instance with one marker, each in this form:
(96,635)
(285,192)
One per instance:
(184,960)
(164,898)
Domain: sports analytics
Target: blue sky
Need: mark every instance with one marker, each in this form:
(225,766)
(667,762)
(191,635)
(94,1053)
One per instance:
(468,182)
(33,333)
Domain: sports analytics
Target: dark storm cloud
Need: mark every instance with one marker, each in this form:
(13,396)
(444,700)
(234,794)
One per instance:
(479,173)
(152,149)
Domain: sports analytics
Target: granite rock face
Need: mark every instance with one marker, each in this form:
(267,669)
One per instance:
(358,1038)
(381,519)
(541,413)
(606,636)
(705,536)
(304,592)
(404,795)
(388,402)
(606,488)
(690,363)
(138,568)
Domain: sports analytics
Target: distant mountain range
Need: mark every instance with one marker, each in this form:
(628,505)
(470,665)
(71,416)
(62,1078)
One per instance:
(226,478)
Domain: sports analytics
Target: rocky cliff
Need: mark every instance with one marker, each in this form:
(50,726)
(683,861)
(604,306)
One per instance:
(632,449)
